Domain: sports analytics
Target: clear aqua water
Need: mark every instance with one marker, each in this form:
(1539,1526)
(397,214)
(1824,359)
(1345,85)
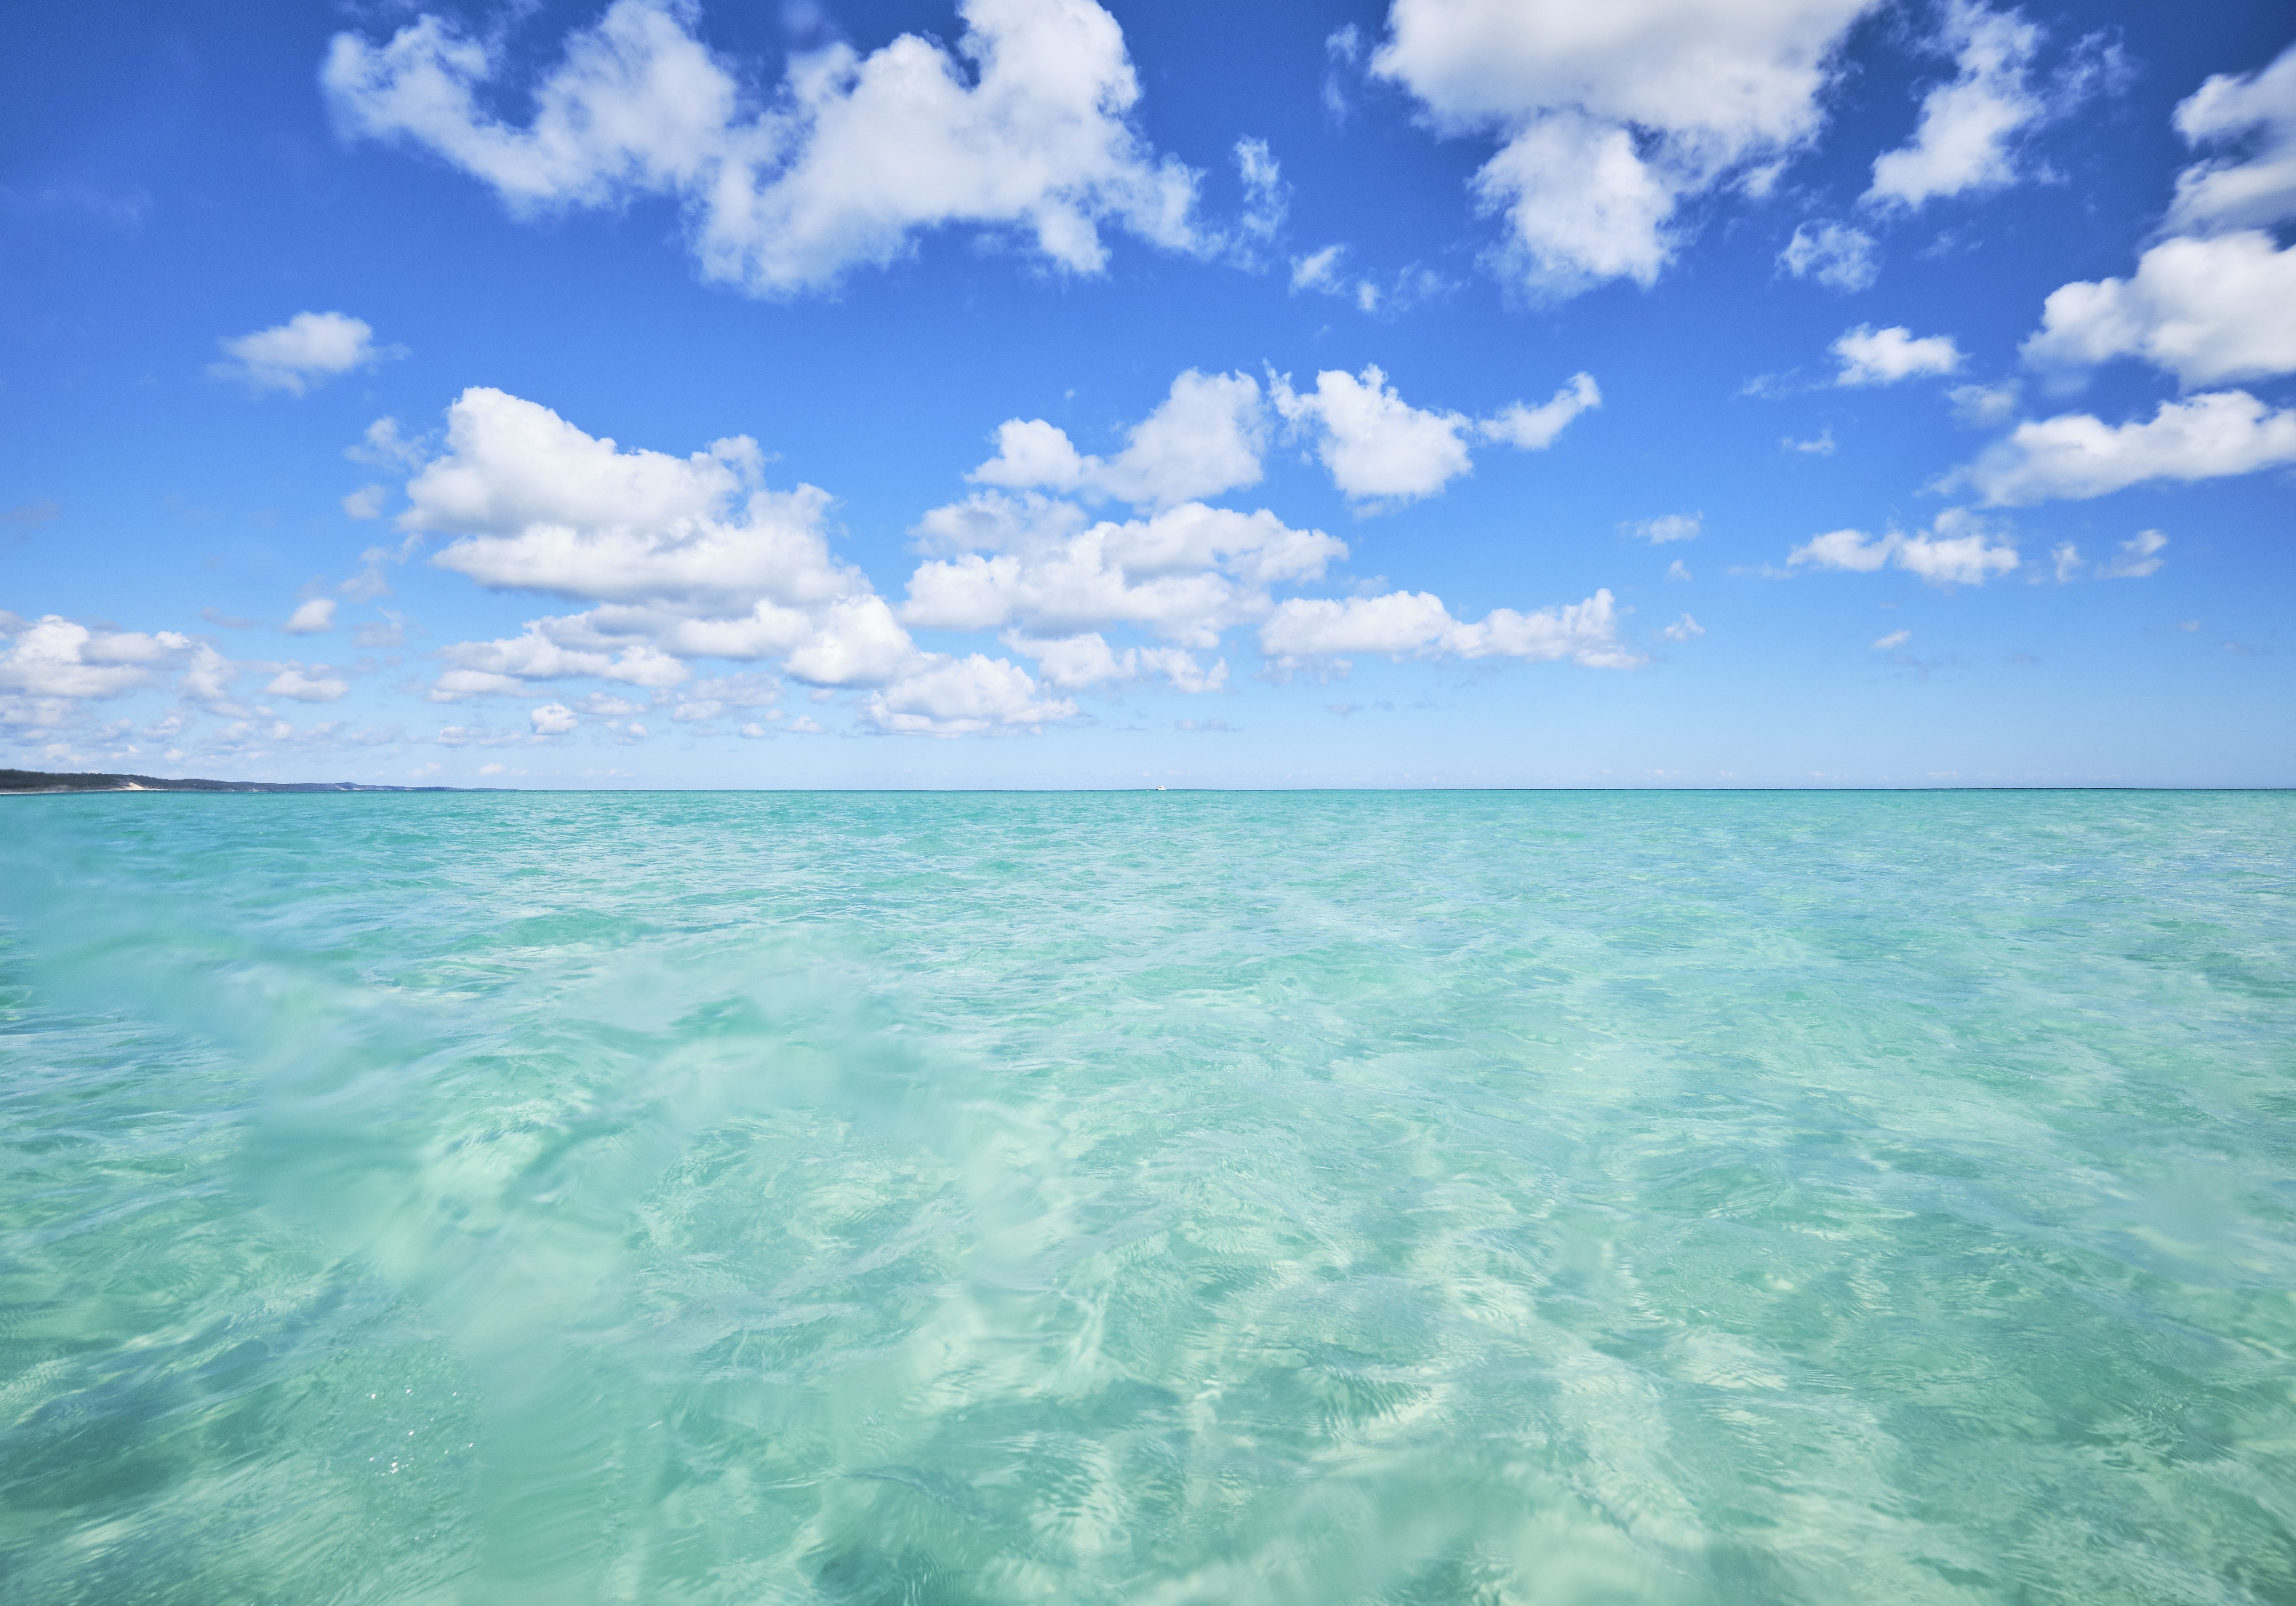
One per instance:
(1401,1197)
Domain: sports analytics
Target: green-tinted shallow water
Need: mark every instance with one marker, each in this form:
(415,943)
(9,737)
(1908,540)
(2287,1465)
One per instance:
(1414,1198)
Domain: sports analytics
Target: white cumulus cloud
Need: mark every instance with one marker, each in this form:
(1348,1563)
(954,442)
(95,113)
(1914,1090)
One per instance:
(1608,117)
(1416,624)
(1534,429)
(1024,127)
(312,617)
(682,559)
(1962,142)
(207,679)
(1377,446)
(316,684)
(1186,574)
(963,697)
(1381,450)
(1075,662)
(1957,550)
(2078,455)
(2256,110)
(686,557)
(2206,309)
(53,660)
(1883,356)
(305,350)
(552,719)
(1204,438)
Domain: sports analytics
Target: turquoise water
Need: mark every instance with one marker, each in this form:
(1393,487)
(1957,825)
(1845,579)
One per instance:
(1158,1199)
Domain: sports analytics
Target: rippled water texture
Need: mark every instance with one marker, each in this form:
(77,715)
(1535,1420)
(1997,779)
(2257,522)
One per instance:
(1409,1197)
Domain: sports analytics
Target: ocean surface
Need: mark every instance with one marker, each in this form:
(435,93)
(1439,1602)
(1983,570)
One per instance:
(1148,1198)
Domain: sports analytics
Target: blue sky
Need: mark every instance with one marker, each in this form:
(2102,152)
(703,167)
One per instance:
(1033,394)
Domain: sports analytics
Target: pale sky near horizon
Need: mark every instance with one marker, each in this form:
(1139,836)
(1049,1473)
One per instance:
(1034,393)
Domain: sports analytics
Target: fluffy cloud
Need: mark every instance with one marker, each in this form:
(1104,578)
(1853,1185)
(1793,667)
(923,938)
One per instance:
(2138,557)
(1376,444)
(540,505)
(1416,624)
(1534,429)
(1583,205)
(2077,455)
(686,557)
(543,652)
(1962,143)
(1381,449)
(1943,559)
(54,661)
(1053,580)
(678,560)
(2206,305)
(855,642)
(1611,115)
(1684,629)
(1957,550)
(1075,662)
(1023,127)
(1203,438)
(313,617)
(316,684)
(2206,309)
(552,719)
(1833,254)
(692,558)
(1186,574)
(963,697)
(2236,191)
(207,679)
(307,350)
(1207,437)
(1883,356)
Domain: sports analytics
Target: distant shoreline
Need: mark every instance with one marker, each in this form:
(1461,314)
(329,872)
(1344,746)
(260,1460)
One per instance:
(33,782)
